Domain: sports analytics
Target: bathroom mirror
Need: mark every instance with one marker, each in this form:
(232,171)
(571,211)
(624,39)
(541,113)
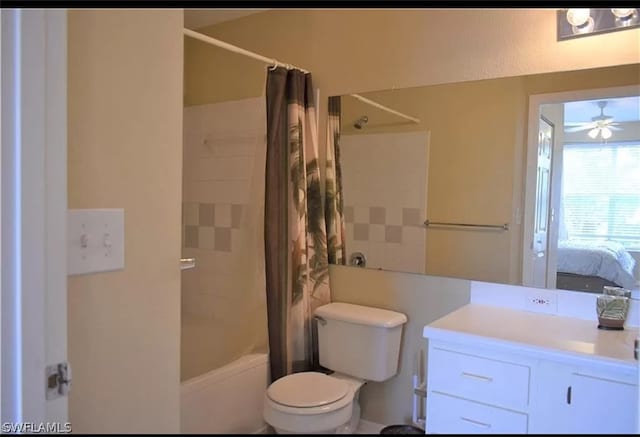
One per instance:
(456,155)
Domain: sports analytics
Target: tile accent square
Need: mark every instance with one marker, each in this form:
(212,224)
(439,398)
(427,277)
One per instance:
(206,237)
(377,215)
(191,237)
(360,231)
(223,239)
(348,214)
(206,214)
(393,234)
(411,217)
(223,215)
(236,216)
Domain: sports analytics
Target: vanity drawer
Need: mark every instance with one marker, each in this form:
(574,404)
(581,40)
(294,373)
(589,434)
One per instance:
(480,379)
(450,415)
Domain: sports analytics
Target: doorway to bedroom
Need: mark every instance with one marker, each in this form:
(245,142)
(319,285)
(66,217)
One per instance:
(583,171)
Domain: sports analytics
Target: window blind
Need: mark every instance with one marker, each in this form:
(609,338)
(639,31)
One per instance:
(601,192)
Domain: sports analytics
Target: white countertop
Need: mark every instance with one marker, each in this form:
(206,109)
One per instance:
(544,332)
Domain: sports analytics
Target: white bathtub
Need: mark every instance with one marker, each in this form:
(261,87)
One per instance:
(227,400)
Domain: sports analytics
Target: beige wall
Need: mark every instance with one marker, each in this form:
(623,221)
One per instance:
(423,299)
(363,50)
(125,151)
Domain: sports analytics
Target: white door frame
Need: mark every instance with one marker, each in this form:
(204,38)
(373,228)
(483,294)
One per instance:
(535,101)
(33,211)
(554,194)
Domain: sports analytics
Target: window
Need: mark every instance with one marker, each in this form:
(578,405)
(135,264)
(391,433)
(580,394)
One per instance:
(601,192)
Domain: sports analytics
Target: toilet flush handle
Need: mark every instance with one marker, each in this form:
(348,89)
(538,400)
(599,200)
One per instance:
(320,320)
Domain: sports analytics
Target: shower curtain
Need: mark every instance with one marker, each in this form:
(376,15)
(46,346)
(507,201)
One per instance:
(297,273)
(333,213)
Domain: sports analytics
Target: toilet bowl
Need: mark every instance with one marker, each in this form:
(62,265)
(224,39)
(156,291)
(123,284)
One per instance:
(313,403)
(358,344)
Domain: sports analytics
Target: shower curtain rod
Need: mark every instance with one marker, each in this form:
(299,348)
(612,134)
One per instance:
(241,51)
(384,108)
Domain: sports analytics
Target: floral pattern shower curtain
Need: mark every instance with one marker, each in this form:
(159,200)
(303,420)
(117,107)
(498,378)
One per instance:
(297,270)
(333,213)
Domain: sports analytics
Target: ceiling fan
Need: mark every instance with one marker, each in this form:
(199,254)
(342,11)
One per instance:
(602,124)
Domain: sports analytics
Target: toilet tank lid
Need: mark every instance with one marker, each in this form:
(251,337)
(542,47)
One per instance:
(361,315)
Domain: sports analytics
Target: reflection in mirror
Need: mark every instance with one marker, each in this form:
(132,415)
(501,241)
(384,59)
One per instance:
(594,190)
(456,156)
(384,178)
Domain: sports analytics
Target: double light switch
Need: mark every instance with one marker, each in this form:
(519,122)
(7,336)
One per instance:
(95,240)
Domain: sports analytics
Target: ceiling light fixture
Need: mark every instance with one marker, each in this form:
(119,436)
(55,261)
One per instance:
(605,133)
(577,22)
(580,20)
(625,17)
(601,125)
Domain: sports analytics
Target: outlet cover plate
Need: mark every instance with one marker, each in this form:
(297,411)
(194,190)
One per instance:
(541,301)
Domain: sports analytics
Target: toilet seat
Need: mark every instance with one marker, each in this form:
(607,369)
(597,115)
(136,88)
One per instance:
(307,390)
(324,403)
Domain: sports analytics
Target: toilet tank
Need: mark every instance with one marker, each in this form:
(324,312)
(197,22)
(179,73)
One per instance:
(359,341)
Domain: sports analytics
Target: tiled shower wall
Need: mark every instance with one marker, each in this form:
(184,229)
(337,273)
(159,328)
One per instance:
(385,191)
(219,147)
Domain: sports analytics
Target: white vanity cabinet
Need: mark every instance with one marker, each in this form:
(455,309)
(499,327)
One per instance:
(478,383)
(586,399)
(606,404)
(473,391)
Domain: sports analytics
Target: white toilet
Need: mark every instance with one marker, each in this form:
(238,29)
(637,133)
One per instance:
(359,344)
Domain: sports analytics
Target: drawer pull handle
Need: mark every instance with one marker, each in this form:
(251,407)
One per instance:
(476,423)
(480,377)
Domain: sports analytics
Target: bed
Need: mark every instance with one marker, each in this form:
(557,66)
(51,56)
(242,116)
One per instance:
(588,266)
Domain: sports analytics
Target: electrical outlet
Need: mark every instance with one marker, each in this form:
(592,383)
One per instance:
(541,301)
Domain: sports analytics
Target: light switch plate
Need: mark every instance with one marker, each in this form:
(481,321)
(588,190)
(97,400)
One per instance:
(95,240)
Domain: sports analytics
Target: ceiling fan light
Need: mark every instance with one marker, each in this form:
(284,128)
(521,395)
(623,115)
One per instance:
(593,133)
(606,133)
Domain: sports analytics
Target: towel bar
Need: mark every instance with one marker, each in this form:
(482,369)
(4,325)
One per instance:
(504,227)
(187,263)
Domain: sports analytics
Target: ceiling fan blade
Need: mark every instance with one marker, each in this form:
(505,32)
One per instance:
(614,127)
(578,128)
(576,123)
